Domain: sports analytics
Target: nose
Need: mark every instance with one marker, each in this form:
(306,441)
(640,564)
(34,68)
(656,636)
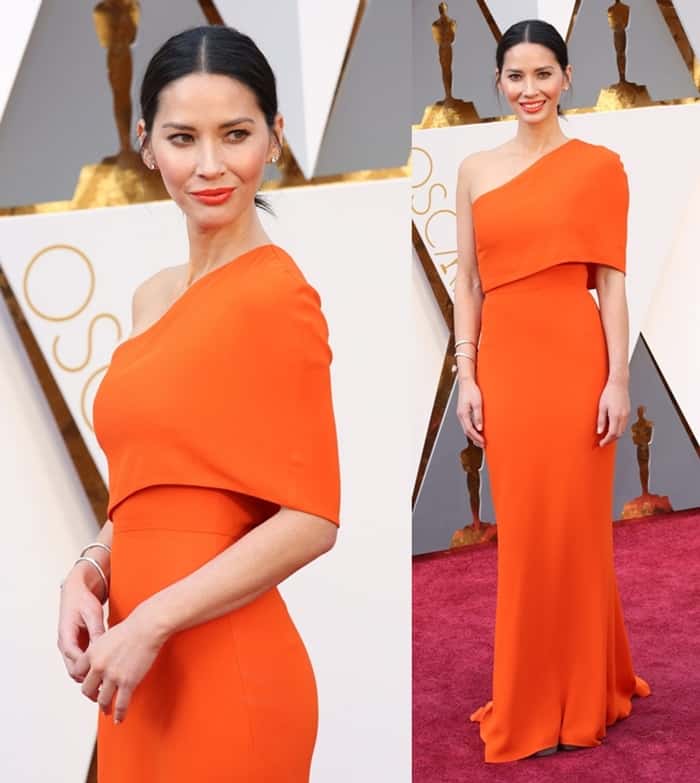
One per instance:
(529,87)
(210,162)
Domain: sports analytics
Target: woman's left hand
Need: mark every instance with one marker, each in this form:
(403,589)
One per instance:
(118,660)
(613,410)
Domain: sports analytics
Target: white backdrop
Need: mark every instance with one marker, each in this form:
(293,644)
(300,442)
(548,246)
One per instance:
(353,605)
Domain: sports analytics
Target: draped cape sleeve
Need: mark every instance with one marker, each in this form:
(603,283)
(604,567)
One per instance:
(230,389)
(570,206)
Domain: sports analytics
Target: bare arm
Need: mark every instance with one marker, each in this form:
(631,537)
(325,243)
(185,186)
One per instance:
(610,284)
(615,402)
(258,561)
(467,309)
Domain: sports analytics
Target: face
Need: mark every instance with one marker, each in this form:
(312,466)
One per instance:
(209,134)
(532,81)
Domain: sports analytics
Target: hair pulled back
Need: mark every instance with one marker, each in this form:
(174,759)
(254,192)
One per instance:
(215,49)
(535,31)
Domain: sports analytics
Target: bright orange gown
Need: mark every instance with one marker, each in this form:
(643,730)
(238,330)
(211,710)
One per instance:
(562,669)
(211,419)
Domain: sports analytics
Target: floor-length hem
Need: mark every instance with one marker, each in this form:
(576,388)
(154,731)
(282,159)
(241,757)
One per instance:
(641,690)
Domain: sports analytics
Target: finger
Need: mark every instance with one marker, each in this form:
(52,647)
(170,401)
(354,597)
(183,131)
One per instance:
(473,435)
(610,435)
(106,694)
(92,684)
(615,425)
(74,672)
(121,703)
(81,667)
(602,418)
(477,417)
(94,622)
(68,640)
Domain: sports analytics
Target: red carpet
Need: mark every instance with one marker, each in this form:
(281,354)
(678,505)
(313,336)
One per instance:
(658,570)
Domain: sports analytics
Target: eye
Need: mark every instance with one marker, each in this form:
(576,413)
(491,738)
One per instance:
(179,135)
(514,77)
(545,74)
(239,133)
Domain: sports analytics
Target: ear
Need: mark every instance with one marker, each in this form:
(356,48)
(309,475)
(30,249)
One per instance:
(140,130)
(277,139)
(144,147)
(568,72)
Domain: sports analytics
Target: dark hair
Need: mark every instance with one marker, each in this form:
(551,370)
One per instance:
(210,49)
(534,31)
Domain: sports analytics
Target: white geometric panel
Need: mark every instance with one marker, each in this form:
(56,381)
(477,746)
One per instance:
(305,42)
(672,328)
(508,12)
(73,274)
(557,13)
(16,27)
(429,337)
(46,521)
(322,55)
(364,726)
(689,14)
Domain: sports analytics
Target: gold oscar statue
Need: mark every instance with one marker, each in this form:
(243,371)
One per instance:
(624,94)
(472,459)
(646,504)
(120,178)
(450,110)
(444,30)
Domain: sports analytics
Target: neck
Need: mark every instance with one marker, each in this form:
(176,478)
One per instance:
(538,138)
(211,247)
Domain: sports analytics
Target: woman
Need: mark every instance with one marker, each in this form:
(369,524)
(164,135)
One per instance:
(542,218)
(217,422)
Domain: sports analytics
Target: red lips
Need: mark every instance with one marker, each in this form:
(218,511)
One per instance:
(212,192)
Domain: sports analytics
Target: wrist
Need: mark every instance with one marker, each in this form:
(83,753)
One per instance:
(619,377)
(153,621)
(85,574)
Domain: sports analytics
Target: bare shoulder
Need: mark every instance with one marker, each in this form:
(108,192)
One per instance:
(476,170)
(473,166)
(157,288)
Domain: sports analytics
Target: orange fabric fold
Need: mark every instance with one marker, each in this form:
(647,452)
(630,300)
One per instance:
(229,389)
(581,195)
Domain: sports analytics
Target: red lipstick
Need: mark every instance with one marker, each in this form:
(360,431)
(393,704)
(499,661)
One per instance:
(212,196)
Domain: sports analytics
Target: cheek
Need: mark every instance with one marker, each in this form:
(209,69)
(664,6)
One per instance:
(511,90)
(247,162)
(552,87)
(175,168)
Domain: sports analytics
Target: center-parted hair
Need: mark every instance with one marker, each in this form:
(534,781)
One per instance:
(215,49)
(535,31)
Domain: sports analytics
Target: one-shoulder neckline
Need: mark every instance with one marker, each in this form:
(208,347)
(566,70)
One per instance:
(196,284)
(525,171)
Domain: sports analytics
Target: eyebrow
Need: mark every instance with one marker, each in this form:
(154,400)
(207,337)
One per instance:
(519,70)
(179,126)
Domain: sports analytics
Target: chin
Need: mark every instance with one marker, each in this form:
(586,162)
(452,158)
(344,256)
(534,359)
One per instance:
(210,222)
(534,119)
